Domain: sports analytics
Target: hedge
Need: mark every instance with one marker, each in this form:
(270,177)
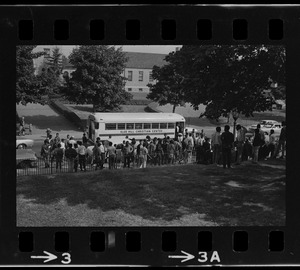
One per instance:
(66,112)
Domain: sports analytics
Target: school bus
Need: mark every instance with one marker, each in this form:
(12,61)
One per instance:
(117,127)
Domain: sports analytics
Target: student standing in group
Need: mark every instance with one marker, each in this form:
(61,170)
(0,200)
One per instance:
(240,140)
(71,155)
(102,155)
(111,150)
(151,150)
(159,152)
(144,152)
(257,143)
(227,139)
(127,150)
(81,156)
(272,143)
(58,154)
(96,155)
(216,145)
(282,141)
(45,152)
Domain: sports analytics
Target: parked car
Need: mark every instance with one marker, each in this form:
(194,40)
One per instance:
(25,158)
(266,125)
(276,127)
(24,143)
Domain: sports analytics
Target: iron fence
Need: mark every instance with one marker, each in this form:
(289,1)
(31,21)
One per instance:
(42,166)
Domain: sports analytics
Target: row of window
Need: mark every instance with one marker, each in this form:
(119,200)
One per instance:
(123,126)
(141,76)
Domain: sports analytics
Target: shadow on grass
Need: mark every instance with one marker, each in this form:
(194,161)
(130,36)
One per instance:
(160,193)
(56,122)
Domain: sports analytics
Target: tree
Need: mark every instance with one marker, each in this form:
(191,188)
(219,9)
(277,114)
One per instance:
(28,86)
(50,75)
(227,78)
(168,86)
(97,78)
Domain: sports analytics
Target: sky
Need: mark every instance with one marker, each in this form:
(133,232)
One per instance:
(163,49)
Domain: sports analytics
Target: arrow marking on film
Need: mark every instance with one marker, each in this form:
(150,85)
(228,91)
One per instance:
(48,258)
(185,257)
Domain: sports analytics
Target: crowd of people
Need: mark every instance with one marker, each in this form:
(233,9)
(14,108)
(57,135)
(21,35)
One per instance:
(222,149)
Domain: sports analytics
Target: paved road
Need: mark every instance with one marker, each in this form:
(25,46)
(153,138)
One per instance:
(42,117)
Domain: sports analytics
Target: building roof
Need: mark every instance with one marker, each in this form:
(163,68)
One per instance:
(145,60)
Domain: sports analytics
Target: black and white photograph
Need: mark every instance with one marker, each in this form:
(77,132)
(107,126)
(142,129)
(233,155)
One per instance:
(150,135)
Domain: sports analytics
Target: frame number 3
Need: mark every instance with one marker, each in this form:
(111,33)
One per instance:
(67,258)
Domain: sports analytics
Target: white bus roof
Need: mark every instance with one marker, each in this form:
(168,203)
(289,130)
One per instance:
(127,117)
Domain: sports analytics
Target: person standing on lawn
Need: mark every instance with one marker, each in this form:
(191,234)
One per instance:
(96,155)
(45,153)
(144,154)
(128,149)
(272,143)
(257,143)
(216,145)
(240,140)
(81,156)
(58,154)
(227,139)
(111,156)
(282,141)
(71,155)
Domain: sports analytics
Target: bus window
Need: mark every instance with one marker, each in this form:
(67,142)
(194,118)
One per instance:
(138,126)
(155,126)
(96,125)
(163,125)
(147,126)
(110,126)
(121,126)
(171,125)
(129,125)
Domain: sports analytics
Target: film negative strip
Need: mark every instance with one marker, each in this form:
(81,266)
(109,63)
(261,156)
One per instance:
(73,201)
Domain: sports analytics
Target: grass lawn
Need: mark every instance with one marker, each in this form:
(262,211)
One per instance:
(181,195)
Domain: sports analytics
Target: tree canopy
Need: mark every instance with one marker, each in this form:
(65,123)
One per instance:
(50,72)
(98,77)
(226,78)
(168,87)
(28,86)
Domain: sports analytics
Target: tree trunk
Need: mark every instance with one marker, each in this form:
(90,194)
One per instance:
(94,108)
(174,107)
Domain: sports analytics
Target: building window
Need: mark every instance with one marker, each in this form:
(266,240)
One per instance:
(141,89)
(141,75)
(129,75)
(129,89)
(150,77)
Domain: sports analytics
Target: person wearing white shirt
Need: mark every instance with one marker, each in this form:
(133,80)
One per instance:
(81,156)
(216,145)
